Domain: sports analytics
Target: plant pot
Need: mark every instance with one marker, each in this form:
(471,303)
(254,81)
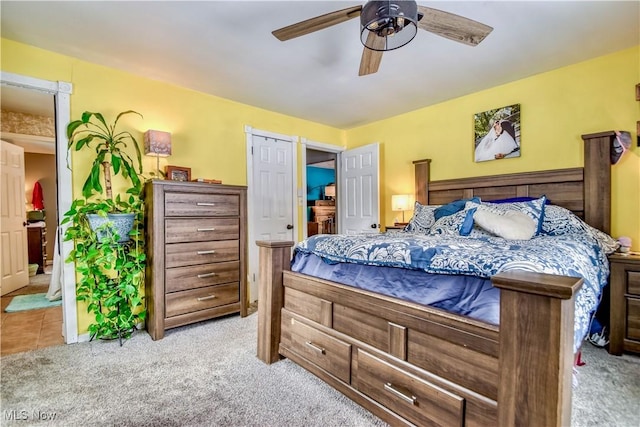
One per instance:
(123,223)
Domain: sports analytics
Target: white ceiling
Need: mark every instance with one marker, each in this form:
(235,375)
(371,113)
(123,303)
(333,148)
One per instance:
(225,48)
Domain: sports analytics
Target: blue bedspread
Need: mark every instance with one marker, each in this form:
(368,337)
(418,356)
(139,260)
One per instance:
(569,255)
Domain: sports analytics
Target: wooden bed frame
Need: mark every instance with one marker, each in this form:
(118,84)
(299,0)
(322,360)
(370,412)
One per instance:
(414,365)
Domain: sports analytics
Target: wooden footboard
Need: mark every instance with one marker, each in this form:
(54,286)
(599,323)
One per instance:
(411,364)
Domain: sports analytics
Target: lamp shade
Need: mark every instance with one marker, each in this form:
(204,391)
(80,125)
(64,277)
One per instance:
(330,191)
(401,202)
(157,143)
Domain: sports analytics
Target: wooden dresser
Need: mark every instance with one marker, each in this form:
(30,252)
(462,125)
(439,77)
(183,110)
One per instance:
(196,253)
(625,304)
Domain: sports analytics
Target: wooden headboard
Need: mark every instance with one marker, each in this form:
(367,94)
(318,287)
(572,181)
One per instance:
(584,190)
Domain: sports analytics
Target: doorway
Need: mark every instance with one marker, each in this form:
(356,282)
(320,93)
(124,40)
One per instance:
(58,183)
(320,199)
(28,122)
(321,192)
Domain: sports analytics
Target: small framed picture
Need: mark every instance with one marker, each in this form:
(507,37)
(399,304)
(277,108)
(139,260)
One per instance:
(177,173)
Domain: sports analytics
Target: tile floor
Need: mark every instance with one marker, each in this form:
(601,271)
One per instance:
(31,329)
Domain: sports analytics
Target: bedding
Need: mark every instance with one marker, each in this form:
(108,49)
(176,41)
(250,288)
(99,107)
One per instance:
(569,250)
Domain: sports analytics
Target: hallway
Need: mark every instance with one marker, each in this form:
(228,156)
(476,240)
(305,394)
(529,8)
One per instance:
(32,329)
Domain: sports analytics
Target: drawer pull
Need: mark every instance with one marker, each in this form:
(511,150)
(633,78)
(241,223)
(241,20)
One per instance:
(206,298)
(207,229)
(202,276)
(315,347)
(402,394)
(206,252)
(205,204)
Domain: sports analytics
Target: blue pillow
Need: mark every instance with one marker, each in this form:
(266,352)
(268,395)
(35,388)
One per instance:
(516,199)
(453,207)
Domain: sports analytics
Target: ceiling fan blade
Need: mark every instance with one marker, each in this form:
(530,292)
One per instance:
(317,23)
(454,27)
(370,61)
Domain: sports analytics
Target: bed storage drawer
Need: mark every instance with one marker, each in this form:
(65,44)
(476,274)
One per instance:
(180,230)
(323,350)
(201,204)
(199,299)
(413,398)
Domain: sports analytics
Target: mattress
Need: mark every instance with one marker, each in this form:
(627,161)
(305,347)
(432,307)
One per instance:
(470,296)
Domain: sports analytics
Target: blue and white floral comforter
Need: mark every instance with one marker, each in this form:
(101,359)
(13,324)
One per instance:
(569,255)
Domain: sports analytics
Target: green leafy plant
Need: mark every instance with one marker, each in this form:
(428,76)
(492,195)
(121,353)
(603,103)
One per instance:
(109,146)
(111,272)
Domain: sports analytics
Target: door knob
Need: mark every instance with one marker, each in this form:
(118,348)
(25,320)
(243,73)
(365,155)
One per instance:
(24,224)
(374,225)
(289,226)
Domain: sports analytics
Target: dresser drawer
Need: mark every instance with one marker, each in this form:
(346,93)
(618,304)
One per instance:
(413,398)
(201,229)
(199,299)
(323,350)
(633,283)
(633,319)
(199,276)
(183,254)
(201,204)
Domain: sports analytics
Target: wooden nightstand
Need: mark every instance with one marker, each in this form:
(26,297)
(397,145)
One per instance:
(394,227)
(625,304)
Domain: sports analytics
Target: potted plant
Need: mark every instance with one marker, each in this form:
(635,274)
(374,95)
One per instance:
(110,160)
(110,259)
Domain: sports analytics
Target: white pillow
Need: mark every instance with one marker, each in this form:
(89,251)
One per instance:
(511,224)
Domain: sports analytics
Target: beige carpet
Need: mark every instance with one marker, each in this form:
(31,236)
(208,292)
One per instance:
(207,375)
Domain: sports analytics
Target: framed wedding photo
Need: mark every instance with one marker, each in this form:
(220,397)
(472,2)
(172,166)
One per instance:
(178,173)
(497,133)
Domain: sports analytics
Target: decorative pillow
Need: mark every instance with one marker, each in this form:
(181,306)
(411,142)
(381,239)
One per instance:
(422,220)
(451,224)
(453,207)
(459,224)
(535,209)
(515,199)
(511,225)
(559,221)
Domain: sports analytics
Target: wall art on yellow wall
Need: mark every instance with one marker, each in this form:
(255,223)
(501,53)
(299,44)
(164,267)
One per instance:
(497,133)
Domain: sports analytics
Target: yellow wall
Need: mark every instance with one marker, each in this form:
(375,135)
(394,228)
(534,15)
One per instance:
(557,108)
(208,132)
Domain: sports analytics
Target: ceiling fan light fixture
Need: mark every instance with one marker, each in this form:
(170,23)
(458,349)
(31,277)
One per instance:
(394,20)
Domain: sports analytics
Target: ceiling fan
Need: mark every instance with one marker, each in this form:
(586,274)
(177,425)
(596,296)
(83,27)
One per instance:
(388,25)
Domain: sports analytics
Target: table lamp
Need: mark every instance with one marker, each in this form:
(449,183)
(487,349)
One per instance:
(157,143)
(401,203)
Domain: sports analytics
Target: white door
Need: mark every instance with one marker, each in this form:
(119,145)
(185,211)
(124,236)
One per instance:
(271,215)
(358,190)
(14,267)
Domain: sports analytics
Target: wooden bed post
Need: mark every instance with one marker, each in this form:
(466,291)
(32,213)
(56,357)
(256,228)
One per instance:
(597,179)
(421,172)
(274,258)
(536,348)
